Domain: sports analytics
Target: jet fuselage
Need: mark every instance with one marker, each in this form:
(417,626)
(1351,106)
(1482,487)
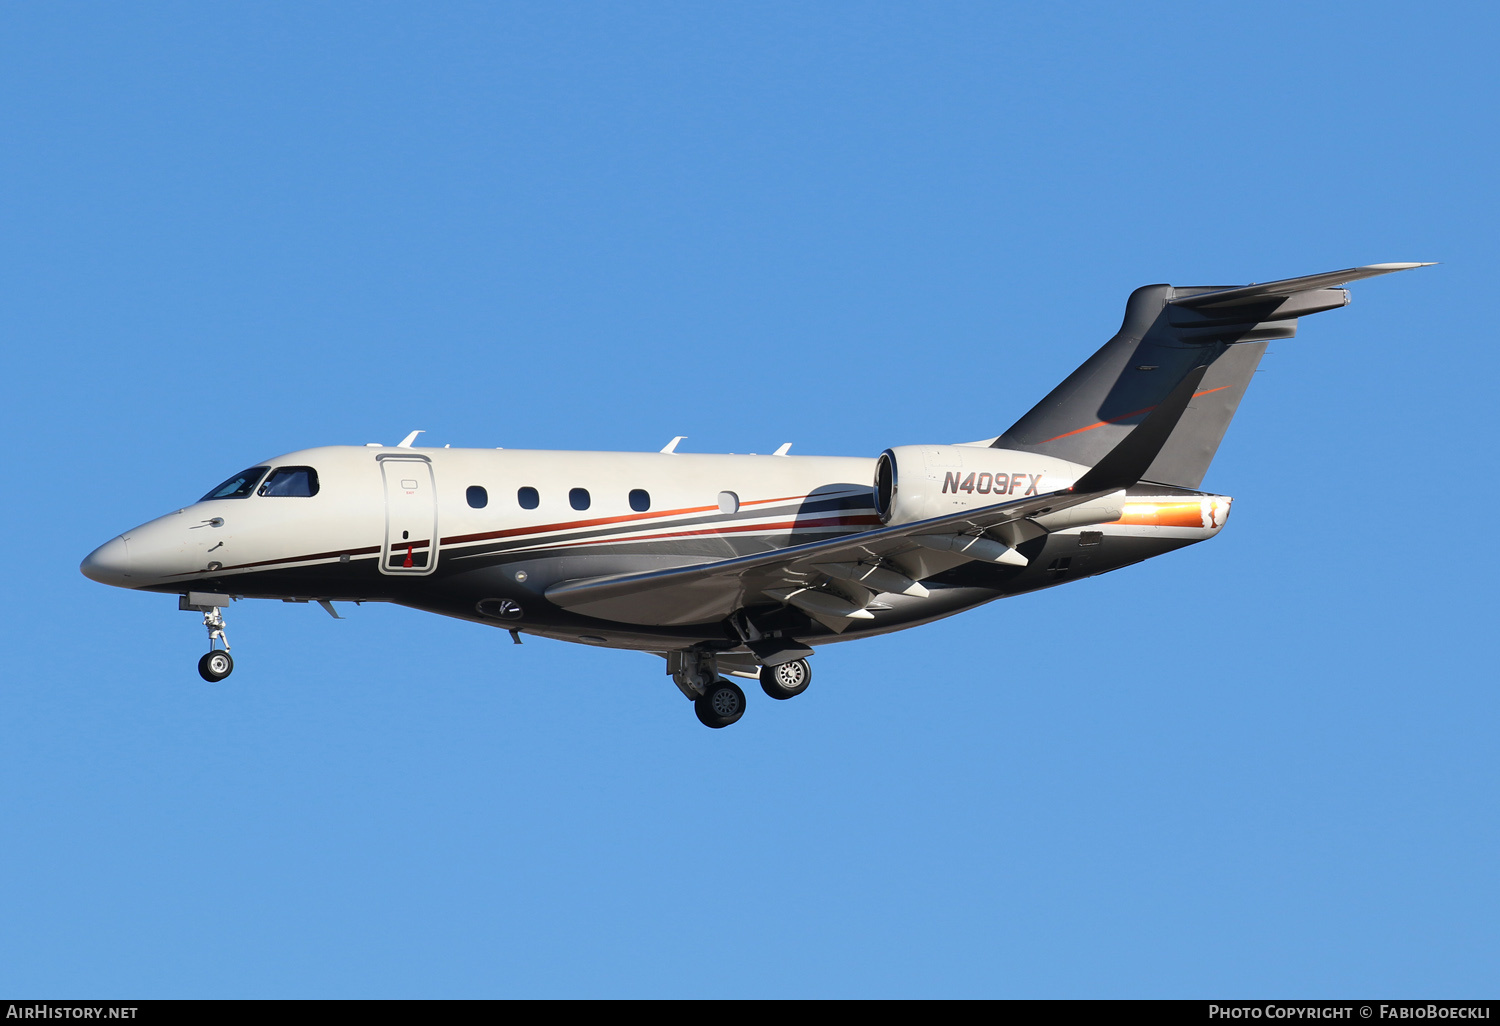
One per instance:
(482,534)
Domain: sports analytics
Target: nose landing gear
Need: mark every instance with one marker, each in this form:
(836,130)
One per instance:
(215,665)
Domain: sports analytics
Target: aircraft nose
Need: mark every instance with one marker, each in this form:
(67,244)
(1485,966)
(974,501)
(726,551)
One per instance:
(108,564)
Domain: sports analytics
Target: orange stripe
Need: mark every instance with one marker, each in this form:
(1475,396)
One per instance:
(1116,420)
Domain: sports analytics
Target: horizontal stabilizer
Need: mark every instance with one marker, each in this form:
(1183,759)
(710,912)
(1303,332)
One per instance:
(1286,287)
(1128,461)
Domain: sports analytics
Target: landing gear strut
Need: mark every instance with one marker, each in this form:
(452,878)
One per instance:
(215,664)
(786,680)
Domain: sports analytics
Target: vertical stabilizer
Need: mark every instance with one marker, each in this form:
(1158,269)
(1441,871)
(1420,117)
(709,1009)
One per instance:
(1167,332)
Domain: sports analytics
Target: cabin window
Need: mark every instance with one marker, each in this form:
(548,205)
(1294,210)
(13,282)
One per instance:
(477,496)
(640,500)
(298,482)
(238,486)
(729,502)
(578,498)
(528,498)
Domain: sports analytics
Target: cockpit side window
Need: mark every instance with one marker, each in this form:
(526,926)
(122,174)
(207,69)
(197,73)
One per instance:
(238,486)
(295,481)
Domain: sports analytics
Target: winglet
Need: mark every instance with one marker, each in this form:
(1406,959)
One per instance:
(783,449)
(405,443)
(672,445)
(1127,462)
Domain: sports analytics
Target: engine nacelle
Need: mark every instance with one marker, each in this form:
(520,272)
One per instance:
(915,482)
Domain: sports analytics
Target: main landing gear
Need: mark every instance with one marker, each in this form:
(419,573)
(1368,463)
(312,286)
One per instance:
(215,664)
(719,701)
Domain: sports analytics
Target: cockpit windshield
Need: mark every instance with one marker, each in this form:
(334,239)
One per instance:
(239,486)
(298,481)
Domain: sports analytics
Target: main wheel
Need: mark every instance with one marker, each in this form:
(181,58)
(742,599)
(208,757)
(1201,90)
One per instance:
(215,666)
(787,680)
(722,704)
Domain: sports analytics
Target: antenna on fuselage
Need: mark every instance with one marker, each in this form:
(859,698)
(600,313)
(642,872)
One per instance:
(405,443)
(672,445)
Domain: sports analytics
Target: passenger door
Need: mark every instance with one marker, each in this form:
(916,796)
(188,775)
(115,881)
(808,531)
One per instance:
(411,514)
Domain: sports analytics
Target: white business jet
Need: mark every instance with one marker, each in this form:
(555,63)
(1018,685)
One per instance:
(740,566)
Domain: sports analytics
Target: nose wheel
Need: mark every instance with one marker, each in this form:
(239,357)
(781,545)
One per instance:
(215,666)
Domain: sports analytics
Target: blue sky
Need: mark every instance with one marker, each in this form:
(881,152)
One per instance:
(1262,766)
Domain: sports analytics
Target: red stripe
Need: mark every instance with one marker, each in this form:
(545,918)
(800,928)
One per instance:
(784,525)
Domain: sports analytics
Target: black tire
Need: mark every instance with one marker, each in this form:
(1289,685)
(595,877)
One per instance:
(722,704)
(215,666)
(788,680)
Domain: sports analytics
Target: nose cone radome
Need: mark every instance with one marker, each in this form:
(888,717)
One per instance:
(108,564)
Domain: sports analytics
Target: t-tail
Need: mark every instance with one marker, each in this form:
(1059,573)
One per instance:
(1169,333)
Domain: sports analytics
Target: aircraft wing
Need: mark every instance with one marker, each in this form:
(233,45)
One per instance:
(885,559)
(834,580)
